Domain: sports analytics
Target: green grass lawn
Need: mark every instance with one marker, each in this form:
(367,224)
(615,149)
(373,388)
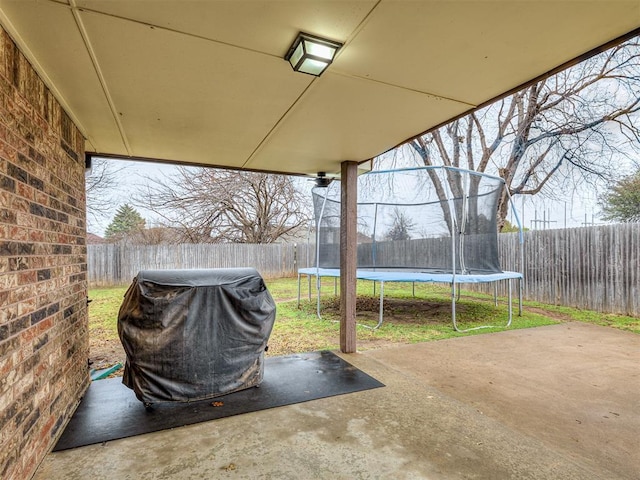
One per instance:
(408,319)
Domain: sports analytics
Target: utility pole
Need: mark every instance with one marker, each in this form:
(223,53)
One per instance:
(544,221)
(534,222)
(589,224)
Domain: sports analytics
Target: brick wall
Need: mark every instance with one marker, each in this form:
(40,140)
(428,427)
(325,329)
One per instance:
(43,318)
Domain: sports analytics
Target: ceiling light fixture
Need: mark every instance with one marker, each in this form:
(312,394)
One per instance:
(310,54)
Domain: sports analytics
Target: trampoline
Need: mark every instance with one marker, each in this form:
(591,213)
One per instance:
(418,225)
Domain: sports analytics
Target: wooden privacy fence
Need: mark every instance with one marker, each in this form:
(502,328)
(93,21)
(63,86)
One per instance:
(119,264)
(596,268)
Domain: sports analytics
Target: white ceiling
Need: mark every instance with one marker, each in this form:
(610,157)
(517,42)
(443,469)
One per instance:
(205,82)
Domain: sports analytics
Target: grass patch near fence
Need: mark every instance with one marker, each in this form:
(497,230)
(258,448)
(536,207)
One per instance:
(407,319)
(103,312)
(621,322)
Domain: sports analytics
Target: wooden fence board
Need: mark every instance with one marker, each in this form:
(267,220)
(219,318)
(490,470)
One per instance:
(119,264)
(596,268)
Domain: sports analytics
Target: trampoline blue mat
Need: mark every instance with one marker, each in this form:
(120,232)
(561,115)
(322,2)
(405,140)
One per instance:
(410,276)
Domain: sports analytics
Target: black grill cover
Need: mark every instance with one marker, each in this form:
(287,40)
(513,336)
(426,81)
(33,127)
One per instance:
(194,334)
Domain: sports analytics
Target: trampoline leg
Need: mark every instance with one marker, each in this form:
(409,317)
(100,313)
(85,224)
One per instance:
(309,289)
(298,290)
(381,315)
(374,287)
(510,304)
(335,286)
(413,289)
(495,294)
(453,307)
(509,301)
(520,297)
(318,288)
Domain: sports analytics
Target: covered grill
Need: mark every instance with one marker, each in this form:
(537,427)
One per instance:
(194,334)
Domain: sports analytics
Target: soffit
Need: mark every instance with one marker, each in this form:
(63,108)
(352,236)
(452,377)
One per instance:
(206,83)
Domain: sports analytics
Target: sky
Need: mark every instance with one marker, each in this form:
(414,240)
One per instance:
(537,213)
(130,176)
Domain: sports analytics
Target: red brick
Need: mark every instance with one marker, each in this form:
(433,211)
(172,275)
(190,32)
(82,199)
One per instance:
(28,335)
(24,191)
(6,364)
(19,234)
(43,266)
(19,205)
(27,277)
(8,313)
(27,306)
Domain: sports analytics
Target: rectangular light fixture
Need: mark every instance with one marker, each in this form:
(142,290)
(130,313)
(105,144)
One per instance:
(310,54)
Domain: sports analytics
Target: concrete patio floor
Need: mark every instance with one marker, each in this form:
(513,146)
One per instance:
(556,402)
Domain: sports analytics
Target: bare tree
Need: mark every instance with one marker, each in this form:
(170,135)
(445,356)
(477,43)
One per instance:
(209,205)
(101,185)
(401,226)
(558,133)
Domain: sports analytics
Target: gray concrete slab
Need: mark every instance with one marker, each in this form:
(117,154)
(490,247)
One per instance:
(556,402)
(575,387)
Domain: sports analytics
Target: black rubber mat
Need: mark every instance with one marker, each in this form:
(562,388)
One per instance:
(109,410)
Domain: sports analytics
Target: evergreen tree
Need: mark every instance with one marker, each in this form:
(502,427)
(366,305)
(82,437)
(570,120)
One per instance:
(509,227)
(622,202)
(127,220)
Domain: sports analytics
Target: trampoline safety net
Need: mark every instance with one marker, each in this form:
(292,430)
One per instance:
(428,219)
